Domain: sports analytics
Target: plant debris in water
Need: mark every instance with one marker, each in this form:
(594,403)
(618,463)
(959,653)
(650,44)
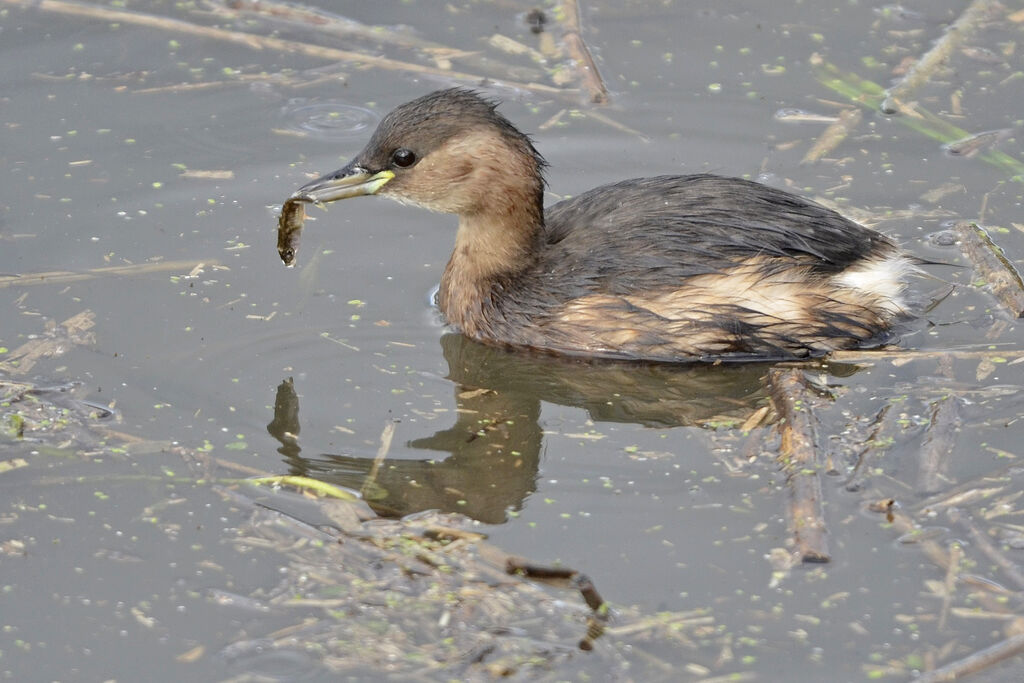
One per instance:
(427,595)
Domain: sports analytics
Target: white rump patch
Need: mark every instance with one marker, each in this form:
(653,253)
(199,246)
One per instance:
(882,278)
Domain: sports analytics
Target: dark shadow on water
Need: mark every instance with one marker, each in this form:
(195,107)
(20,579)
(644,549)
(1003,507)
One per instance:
(487,462)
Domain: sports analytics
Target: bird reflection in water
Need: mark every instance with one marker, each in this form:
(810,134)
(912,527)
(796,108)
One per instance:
(487,463)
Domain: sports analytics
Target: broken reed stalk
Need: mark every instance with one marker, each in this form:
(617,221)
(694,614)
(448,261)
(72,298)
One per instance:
(580,53)
(925,68)
(976,662)
(938,444)
(833,135)
(993,266)
(257,42)
(799,459)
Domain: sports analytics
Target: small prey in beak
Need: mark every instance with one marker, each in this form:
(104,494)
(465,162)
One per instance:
(351,181)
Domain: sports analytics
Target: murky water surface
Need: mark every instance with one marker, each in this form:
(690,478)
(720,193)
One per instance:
(141,145)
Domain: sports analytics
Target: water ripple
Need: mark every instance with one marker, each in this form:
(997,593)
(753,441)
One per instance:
(329,120)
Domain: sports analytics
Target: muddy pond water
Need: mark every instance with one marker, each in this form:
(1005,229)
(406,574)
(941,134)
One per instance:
(143,162)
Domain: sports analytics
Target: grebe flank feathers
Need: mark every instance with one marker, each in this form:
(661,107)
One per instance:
(668,268)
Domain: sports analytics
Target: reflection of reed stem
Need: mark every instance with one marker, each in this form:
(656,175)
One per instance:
(385,445)
(799,459)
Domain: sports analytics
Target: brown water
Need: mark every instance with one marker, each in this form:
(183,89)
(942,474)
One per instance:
(617,471)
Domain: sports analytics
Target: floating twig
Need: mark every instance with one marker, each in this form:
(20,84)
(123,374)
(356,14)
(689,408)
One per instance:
(944,47)
(834,134)
(799,459)
(580,53)
(992,266)
(938,445)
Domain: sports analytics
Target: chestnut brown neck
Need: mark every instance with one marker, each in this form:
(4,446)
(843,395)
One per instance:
(491,247)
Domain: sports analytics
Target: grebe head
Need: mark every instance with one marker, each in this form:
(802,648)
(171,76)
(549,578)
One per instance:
(449,151)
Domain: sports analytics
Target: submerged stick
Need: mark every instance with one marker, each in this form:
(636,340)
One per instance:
(938,444)
(799,459)
(53,343)
(1009,567)
(580,53)
(993,266)
(939,53)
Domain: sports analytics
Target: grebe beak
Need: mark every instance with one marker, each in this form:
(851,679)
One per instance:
(351,181)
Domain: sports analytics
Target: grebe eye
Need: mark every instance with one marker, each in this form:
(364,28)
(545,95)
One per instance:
(403,158)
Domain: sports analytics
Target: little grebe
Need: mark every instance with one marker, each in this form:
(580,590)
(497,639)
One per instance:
(672,268)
